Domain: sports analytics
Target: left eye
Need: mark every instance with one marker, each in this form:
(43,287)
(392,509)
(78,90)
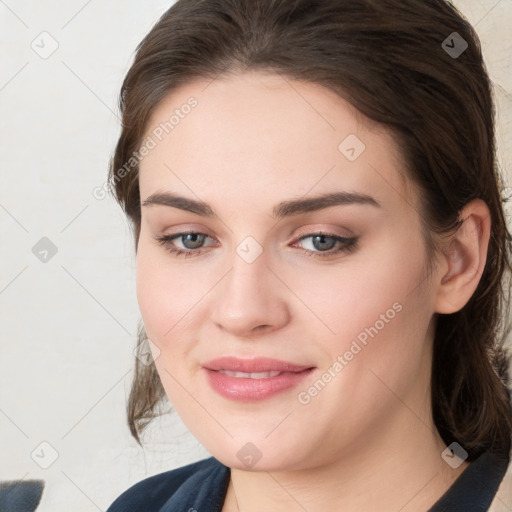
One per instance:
(321,242)
(324,244)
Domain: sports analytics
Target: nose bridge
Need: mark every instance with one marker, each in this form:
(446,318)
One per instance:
(250,295)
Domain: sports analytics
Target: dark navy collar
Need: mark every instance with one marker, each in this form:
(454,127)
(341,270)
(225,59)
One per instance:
(202,486)
(476,487)
(204,491)
(473,491)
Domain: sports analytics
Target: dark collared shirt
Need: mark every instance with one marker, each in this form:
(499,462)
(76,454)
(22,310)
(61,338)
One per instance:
(202,486)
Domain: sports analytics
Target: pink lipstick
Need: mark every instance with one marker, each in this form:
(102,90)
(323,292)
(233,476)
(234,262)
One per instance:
(253,379)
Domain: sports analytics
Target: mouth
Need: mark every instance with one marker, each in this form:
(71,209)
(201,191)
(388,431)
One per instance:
(253,379)
(252,375)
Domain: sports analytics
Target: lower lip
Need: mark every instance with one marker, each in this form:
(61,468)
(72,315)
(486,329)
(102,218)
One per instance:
(249,390)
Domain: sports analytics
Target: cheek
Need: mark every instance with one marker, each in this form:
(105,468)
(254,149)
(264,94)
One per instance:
(173,301)
(163,302)
(379,313)
(387,323)
(353,297)
(162,293)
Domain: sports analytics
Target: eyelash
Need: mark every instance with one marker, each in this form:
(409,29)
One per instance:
(348,244)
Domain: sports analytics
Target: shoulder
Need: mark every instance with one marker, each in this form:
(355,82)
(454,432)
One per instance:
(503,499)
(153,492)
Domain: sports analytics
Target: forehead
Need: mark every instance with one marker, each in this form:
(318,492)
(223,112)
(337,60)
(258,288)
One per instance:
(266,135)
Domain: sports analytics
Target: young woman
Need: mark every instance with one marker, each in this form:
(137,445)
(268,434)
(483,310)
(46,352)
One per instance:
(322,256)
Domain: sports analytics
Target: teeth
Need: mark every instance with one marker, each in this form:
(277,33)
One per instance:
(254,375)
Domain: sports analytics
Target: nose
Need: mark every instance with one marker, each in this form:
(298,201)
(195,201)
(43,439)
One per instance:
(250,299)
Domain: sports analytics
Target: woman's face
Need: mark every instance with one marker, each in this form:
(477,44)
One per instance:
(296,328)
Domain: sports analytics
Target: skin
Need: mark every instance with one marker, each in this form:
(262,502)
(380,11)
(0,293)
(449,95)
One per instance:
(367,439)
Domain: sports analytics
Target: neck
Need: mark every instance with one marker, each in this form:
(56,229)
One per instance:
(401,470)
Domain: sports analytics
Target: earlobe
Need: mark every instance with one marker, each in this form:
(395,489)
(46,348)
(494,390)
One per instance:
(464,258)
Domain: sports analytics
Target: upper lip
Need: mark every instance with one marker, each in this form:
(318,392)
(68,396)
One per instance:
(259,364)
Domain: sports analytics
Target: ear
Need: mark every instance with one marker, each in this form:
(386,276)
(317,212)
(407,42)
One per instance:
(463,258)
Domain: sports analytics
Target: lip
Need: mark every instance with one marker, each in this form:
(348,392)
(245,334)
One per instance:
(253,389)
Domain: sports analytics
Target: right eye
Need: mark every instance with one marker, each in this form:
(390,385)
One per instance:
(192,242)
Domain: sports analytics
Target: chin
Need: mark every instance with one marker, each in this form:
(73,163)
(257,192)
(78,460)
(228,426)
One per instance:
(259,455)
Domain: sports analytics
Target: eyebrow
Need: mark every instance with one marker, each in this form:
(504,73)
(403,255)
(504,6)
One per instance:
(281,210)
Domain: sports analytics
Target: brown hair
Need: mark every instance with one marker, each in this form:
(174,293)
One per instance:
(388,59)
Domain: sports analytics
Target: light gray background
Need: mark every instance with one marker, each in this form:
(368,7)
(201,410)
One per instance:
(68,326)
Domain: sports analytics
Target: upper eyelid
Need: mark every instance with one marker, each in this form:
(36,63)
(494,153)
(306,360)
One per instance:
(185,230)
